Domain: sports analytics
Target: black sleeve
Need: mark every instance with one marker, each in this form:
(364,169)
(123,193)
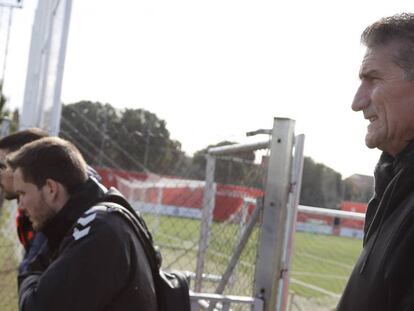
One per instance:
(37,245)
(89,272)
(399,268)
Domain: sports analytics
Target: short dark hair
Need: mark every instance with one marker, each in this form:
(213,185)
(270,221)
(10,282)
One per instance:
(398,29)
(50,157)
(18,139)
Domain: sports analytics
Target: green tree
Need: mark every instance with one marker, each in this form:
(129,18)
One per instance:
(237,169)
(151,141)
(86,124)
(131,139)
(12,117)
(358,188)
(321,185)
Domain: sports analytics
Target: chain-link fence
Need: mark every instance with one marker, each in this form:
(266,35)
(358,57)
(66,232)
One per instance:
(326,249)
(171,194)
(191,237)
(10,256)
(170,189)
(173,209)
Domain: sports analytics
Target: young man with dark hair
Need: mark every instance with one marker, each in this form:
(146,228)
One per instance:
(31,242)
(12,143)
(95,260)
(16,140)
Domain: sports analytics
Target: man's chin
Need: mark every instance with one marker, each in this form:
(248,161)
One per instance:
(370,145)
(370,141)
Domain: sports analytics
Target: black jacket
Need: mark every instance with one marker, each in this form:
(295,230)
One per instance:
(383,277)
(94,261)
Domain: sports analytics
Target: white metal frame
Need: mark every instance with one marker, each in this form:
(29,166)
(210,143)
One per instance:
(12,3)
(296,183)
(42,103)
(202,300)
(206,220)
(209,199)
(270,267)
(331,212)
(279,212)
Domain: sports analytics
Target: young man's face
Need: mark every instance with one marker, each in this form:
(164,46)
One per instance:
(6,177)
(32,201)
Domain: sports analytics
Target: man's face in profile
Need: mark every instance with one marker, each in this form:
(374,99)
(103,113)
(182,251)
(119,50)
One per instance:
(6,177)
(386,98)
(32,200)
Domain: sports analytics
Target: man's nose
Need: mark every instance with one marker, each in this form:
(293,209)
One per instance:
(361,98)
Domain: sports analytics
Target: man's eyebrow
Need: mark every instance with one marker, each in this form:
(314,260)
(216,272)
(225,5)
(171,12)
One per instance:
(368,74)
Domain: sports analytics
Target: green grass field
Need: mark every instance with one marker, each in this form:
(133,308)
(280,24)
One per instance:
(321,264)
(322,261)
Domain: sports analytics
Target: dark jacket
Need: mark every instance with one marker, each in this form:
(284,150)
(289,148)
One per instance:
(94,261)
(383,277)
(33,241)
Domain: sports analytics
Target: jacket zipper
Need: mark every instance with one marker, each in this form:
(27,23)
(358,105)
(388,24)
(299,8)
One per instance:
(381,220)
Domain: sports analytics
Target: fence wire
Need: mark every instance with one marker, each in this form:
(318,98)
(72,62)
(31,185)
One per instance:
(172,206)
(324,255)
(10,256)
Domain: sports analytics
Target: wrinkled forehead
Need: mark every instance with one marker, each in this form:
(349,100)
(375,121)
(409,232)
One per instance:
(378,58)
(389,51)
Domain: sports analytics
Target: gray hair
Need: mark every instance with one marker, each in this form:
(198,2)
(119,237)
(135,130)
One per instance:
(397,29)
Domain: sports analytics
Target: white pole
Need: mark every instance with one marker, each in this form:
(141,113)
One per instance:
(269,261)
(34,68)
(296,184)
(57,104)
(209,200)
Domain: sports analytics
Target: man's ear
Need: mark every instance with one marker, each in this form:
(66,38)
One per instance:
(51,190)
(54,194)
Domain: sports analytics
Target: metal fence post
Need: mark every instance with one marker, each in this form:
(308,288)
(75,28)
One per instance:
(209,200)
(158,209)
(296,182)
(269,261)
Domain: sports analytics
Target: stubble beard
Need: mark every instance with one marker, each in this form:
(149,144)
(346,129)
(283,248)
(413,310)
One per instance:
(47,214)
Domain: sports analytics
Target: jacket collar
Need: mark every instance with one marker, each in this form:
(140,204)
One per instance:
(405,158)
(394,177)
(85,196)
(388,167)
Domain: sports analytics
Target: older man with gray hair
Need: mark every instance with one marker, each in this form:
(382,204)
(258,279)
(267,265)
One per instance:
(383,277)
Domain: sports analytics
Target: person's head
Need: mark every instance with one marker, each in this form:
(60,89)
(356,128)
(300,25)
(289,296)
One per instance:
(46,172)
(12,143)
(386,93)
